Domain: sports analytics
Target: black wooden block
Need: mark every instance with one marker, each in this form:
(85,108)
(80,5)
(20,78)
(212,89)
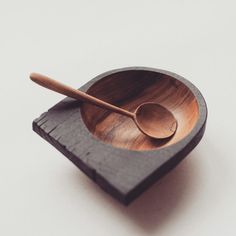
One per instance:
(123,173)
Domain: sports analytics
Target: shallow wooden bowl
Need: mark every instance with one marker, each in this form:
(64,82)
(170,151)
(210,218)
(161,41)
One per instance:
(108,147)
(130,88)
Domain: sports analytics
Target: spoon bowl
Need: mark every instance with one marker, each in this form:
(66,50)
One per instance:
(155,120)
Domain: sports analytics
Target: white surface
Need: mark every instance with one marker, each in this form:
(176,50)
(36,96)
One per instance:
(41,192)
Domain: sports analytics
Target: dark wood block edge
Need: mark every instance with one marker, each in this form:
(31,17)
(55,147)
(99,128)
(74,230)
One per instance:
(91,173)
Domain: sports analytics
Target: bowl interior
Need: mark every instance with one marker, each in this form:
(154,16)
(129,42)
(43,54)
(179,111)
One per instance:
(129,89)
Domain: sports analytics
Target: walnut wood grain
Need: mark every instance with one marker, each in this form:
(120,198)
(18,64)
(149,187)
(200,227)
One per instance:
(130,89)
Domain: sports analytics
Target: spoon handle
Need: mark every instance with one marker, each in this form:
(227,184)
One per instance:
(76,94)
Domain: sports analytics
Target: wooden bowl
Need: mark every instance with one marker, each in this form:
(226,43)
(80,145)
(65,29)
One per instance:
(108,147)
(130,88)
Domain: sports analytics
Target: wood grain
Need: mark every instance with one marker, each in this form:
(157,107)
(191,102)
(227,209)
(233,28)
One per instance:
(130,89)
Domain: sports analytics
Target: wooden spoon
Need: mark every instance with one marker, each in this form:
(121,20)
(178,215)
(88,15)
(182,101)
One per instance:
(152,119)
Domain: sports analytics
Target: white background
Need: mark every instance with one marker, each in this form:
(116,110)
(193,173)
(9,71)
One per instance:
(41,192)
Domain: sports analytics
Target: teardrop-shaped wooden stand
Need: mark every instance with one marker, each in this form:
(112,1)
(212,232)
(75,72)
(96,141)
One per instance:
(108,147)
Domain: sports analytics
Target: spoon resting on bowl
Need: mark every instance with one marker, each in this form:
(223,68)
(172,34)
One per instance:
(152,119)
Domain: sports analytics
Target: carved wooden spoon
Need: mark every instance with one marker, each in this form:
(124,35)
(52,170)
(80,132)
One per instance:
(151,118)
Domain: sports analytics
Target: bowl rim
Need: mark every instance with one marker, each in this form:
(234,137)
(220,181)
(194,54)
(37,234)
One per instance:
(202,107)
(199,126)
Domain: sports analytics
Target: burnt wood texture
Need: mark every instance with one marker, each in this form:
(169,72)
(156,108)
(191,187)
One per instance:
(108,147)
